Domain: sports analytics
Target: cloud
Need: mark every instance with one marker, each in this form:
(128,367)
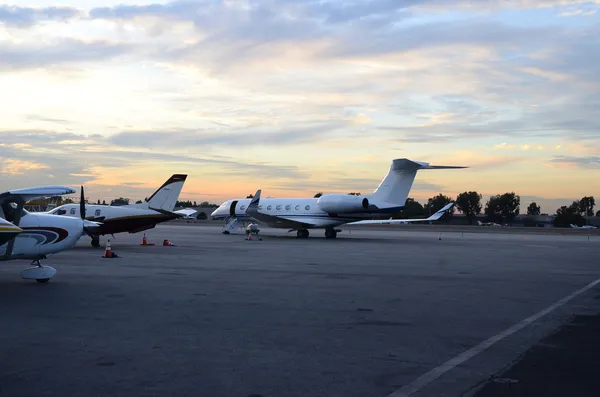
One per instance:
(264,135)
(24,17)
(282,80)
(61,52)
(41,137)
(82,159)
(586,162)
(35,117)
(18,167)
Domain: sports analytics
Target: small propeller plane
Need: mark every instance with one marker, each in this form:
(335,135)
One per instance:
(132,218)
(37,235)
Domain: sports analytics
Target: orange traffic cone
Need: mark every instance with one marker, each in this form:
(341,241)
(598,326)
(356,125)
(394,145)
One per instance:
(145,240)
(167,243)
(249,236)
(107,251)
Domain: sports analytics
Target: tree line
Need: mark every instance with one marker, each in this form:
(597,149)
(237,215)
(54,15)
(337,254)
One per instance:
(500,208)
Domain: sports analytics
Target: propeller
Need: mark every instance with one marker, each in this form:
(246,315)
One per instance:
(82,205)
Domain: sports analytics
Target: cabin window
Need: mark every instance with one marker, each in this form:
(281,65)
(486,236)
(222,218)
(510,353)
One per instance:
(243,207)
(297,208)
(269,207)
(72,211)
(61,211)
(97,213)
(288,207)
(307,207)
(278,207)
(260,207)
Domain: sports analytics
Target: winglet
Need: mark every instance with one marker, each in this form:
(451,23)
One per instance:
(254,202)
(440,212)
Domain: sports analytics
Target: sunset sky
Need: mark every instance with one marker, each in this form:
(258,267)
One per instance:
(301,96)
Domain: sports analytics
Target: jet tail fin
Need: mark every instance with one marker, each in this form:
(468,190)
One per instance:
(394,188)
(165,197)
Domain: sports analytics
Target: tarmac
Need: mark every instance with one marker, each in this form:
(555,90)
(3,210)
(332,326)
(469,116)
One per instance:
(382,312)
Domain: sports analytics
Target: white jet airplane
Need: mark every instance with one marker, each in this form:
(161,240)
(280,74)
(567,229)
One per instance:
(40,234)
(583,227)
(494,224)
(331,210)
(132,218)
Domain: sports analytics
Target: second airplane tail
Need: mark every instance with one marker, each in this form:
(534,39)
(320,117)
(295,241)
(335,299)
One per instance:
(395,187)
(166,196)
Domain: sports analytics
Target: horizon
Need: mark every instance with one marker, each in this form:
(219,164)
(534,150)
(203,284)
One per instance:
(300,97)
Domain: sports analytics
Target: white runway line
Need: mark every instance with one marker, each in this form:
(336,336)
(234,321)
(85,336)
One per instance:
(435,373)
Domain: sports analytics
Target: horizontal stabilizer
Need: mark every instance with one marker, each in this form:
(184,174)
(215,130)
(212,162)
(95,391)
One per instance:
(186,212)
(406,164)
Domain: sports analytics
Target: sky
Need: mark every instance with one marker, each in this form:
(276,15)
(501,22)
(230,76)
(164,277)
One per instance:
(301,96)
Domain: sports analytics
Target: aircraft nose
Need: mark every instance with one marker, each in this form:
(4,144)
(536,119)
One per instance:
(216,212)
(74,227)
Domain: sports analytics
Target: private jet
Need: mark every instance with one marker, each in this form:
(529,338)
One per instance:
(132,218)
(37,235)
(492,224)
(331,210)
(573,226)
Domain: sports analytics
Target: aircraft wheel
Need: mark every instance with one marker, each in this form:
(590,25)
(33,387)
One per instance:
(96,242)
(42,280)
(330,233)
(302,233)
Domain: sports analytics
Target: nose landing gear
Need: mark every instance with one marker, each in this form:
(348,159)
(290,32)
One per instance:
(38,272)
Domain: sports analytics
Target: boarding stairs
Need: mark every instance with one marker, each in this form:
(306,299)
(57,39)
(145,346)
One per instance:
(232,223)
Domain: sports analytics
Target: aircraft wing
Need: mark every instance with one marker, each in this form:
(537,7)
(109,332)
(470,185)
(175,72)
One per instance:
(174,215)
(30,193)
(433,217)
(186,212)
(252,210)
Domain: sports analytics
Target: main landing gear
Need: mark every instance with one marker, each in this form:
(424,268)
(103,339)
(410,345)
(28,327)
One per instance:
(330,233)
(302,233)
(96,241)
(38,272)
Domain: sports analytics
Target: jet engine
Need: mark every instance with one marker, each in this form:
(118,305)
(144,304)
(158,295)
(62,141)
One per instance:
(334,203)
